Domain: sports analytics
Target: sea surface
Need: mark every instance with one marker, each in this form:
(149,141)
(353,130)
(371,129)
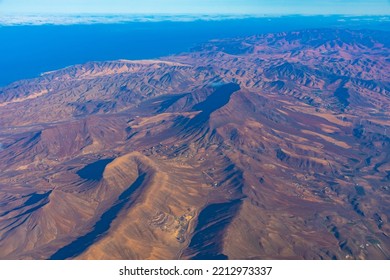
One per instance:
(28,51)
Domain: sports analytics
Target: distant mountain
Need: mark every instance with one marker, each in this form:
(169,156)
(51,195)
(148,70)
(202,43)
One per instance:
(274,146)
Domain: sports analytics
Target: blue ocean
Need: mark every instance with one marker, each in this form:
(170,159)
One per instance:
(27,51)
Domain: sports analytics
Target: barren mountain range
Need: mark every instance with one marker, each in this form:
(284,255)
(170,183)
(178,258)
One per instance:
(274,146)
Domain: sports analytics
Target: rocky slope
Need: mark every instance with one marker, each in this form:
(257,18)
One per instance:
(268,147)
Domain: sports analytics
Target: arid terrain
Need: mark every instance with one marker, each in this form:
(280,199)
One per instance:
(274,146)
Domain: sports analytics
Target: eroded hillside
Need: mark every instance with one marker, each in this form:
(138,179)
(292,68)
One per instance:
(268,147)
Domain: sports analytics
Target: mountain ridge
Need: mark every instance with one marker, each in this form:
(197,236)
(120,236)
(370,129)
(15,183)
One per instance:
(284,135)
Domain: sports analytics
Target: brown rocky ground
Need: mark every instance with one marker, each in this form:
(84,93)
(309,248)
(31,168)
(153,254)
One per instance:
(267,147)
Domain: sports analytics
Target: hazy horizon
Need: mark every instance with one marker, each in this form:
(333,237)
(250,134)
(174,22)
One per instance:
(216,7)
(86,18)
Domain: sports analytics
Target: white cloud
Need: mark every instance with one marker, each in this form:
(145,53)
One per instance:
(72,19)
(12,20)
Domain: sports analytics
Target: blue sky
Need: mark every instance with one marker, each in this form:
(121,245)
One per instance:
(257,7)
